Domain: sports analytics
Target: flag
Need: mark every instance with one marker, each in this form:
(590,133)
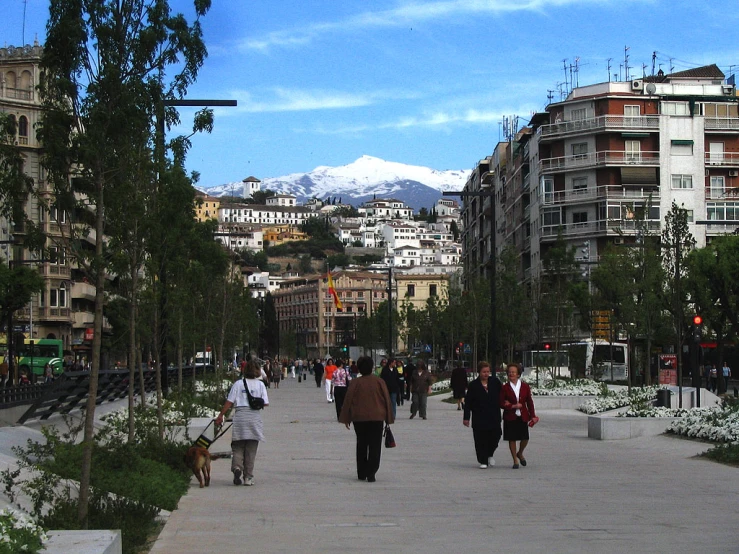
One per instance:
(332,291)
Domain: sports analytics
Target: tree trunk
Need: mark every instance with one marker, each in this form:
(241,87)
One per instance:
(89,433)
(132,354)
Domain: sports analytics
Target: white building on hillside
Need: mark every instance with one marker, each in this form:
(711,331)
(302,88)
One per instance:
(261,214)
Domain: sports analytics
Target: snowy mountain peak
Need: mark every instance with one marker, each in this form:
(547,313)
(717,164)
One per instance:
(361,180)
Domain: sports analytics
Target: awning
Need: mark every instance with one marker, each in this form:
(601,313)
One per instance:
(634,135)
(686,142)
(639,176)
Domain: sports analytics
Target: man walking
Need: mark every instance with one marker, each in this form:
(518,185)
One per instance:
(420,389)
(318,372)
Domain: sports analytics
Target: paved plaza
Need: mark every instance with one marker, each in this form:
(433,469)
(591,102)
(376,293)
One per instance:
(576,495)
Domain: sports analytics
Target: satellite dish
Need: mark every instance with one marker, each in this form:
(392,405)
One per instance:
(651,88)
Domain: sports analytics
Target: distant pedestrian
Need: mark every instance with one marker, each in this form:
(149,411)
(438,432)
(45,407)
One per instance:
(420,389)
(340,381)
(318,372)
(328,374)
(389,375)
(727,375)
(248,428)
(400,400)
(518,413)
(458,382)
(48,374)
(714,379)
(482,402)
(367,406)
(4,373)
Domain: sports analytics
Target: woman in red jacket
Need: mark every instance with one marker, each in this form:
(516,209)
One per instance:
(518,413)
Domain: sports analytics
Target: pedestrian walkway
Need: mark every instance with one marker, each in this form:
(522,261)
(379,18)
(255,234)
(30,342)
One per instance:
(576,495)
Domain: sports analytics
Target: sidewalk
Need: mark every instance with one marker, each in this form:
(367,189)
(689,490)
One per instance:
(576,495)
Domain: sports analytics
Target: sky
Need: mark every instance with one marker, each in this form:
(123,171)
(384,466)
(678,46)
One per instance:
(323,82)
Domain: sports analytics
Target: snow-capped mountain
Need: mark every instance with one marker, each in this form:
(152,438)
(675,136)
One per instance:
(360,181)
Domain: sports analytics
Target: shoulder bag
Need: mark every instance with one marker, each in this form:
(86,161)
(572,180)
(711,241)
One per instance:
(255,402)
(389,438)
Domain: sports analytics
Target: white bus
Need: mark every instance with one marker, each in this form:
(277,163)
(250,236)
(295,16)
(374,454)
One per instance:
(604,361)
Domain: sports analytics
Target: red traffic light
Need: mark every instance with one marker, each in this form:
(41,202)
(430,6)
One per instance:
(697,320)
(547,346)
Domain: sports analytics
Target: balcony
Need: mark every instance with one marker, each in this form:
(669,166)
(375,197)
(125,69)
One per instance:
(83,291)
(82,320)
(54,314)
(722,123)
(595,227)
(721,228)
(596,159)
(599,124)
(604,192)
(730,159)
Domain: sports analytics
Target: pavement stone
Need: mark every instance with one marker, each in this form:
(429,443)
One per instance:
(576,494)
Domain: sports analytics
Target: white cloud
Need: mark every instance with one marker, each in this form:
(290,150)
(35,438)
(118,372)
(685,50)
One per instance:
(409,13)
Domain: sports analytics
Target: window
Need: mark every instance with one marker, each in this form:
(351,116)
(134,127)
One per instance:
(432,290)
(547,189)
(579,113)
(579,150)
(717,187)
(722,211)
(58,297)
(579,217)
(579,185)
(551,218)
(680,181)
(411,290)
(681,147)
(632,111)
(632,150)
(675,108)
(23,130)
(690,215)
(57,215)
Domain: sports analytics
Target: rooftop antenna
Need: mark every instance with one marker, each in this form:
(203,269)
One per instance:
(550,96)
(23,31)
(564,66)
(577,71)
(608,62)
(626,62)
(654,60)
(572,81)
(644,70)
(672,67)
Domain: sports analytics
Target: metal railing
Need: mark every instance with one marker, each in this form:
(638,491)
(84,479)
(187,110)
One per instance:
(722,158)
(597,227)
(615,192)
(604,157)
(722,123)
(601,123)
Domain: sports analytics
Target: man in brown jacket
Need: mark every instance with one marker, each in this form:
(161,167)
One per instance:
(367,405)
(420,389)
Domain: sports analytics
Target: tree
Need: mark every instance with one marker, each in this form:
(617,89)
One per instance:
(306,267)
(677,242)
(714,289)
(101,87)
(512,311)
(260,196)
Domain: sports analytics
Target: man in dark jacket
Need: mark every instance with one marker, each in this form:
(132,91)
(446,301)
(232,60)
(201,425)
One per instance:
(483,403)
(318,372)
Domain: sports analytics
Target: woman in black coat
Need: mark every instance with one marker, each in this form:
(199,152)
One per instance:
(483,403)
(389,374)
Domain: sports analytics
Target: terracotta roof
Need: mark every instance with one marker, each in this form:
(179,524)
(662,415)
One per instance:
(706,72)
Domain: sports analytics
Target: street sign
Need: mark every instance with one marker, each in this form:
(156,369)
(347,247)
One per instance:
(467,349)
(427,348)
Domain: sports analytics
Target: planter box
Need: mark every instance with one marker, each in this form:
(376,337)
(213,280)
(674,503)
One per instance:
(609,427)
(84,542)
(560,402)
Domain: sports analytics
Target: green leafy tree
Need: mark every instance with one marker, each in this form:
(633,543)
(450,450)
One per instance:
(260,197)
(677,242)
(338,260)
(714,289)
(306,266)
(511,305)
(102,81)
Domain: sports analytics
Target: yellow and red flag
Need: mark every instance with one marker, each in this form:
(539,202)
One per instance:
(332,291)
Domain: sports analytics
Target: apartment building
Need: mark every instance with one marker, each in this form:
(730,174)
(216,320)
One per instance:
(263,214)
(385,209)
(206,207)
(64,309)
(607,155)
(305,308)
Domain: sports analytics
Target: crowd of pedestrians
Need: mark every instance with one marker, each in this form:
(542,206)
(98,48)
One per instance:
(368,398)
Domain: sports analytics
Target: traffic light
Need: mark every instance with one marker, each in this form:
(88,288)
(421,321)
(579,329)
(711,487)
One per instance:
(345,348)
(547,346)
(697,328)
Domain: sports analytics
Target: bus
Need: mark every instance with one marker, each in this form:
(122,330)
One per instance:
(602,360)
(34,358)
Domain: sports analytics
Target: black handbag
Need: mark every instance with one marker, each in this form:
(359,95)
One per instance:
(255,402)
(389,438)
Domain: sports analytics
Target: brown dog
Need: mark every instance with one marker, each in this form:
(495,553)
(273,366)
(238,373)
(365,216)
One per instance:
(198,460)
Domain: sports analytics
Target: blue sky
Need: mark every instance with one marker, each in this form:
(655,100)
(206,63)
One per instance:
(323,82)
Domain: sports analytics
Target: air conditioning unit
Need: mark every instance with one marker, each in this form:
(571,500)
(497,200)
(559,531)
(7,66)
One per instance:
(618,240)
(727,89)
(637,84)
(734,173)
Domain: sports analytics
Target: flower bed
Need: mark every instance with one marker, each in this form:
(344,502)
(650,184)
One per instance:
(566,387)
(718,424)
(19,533)
(619,399)
(655,411)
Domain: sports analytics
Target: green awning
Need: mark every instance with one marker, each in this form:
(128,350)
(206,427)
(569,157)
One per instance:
(635,135)
(687,142)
